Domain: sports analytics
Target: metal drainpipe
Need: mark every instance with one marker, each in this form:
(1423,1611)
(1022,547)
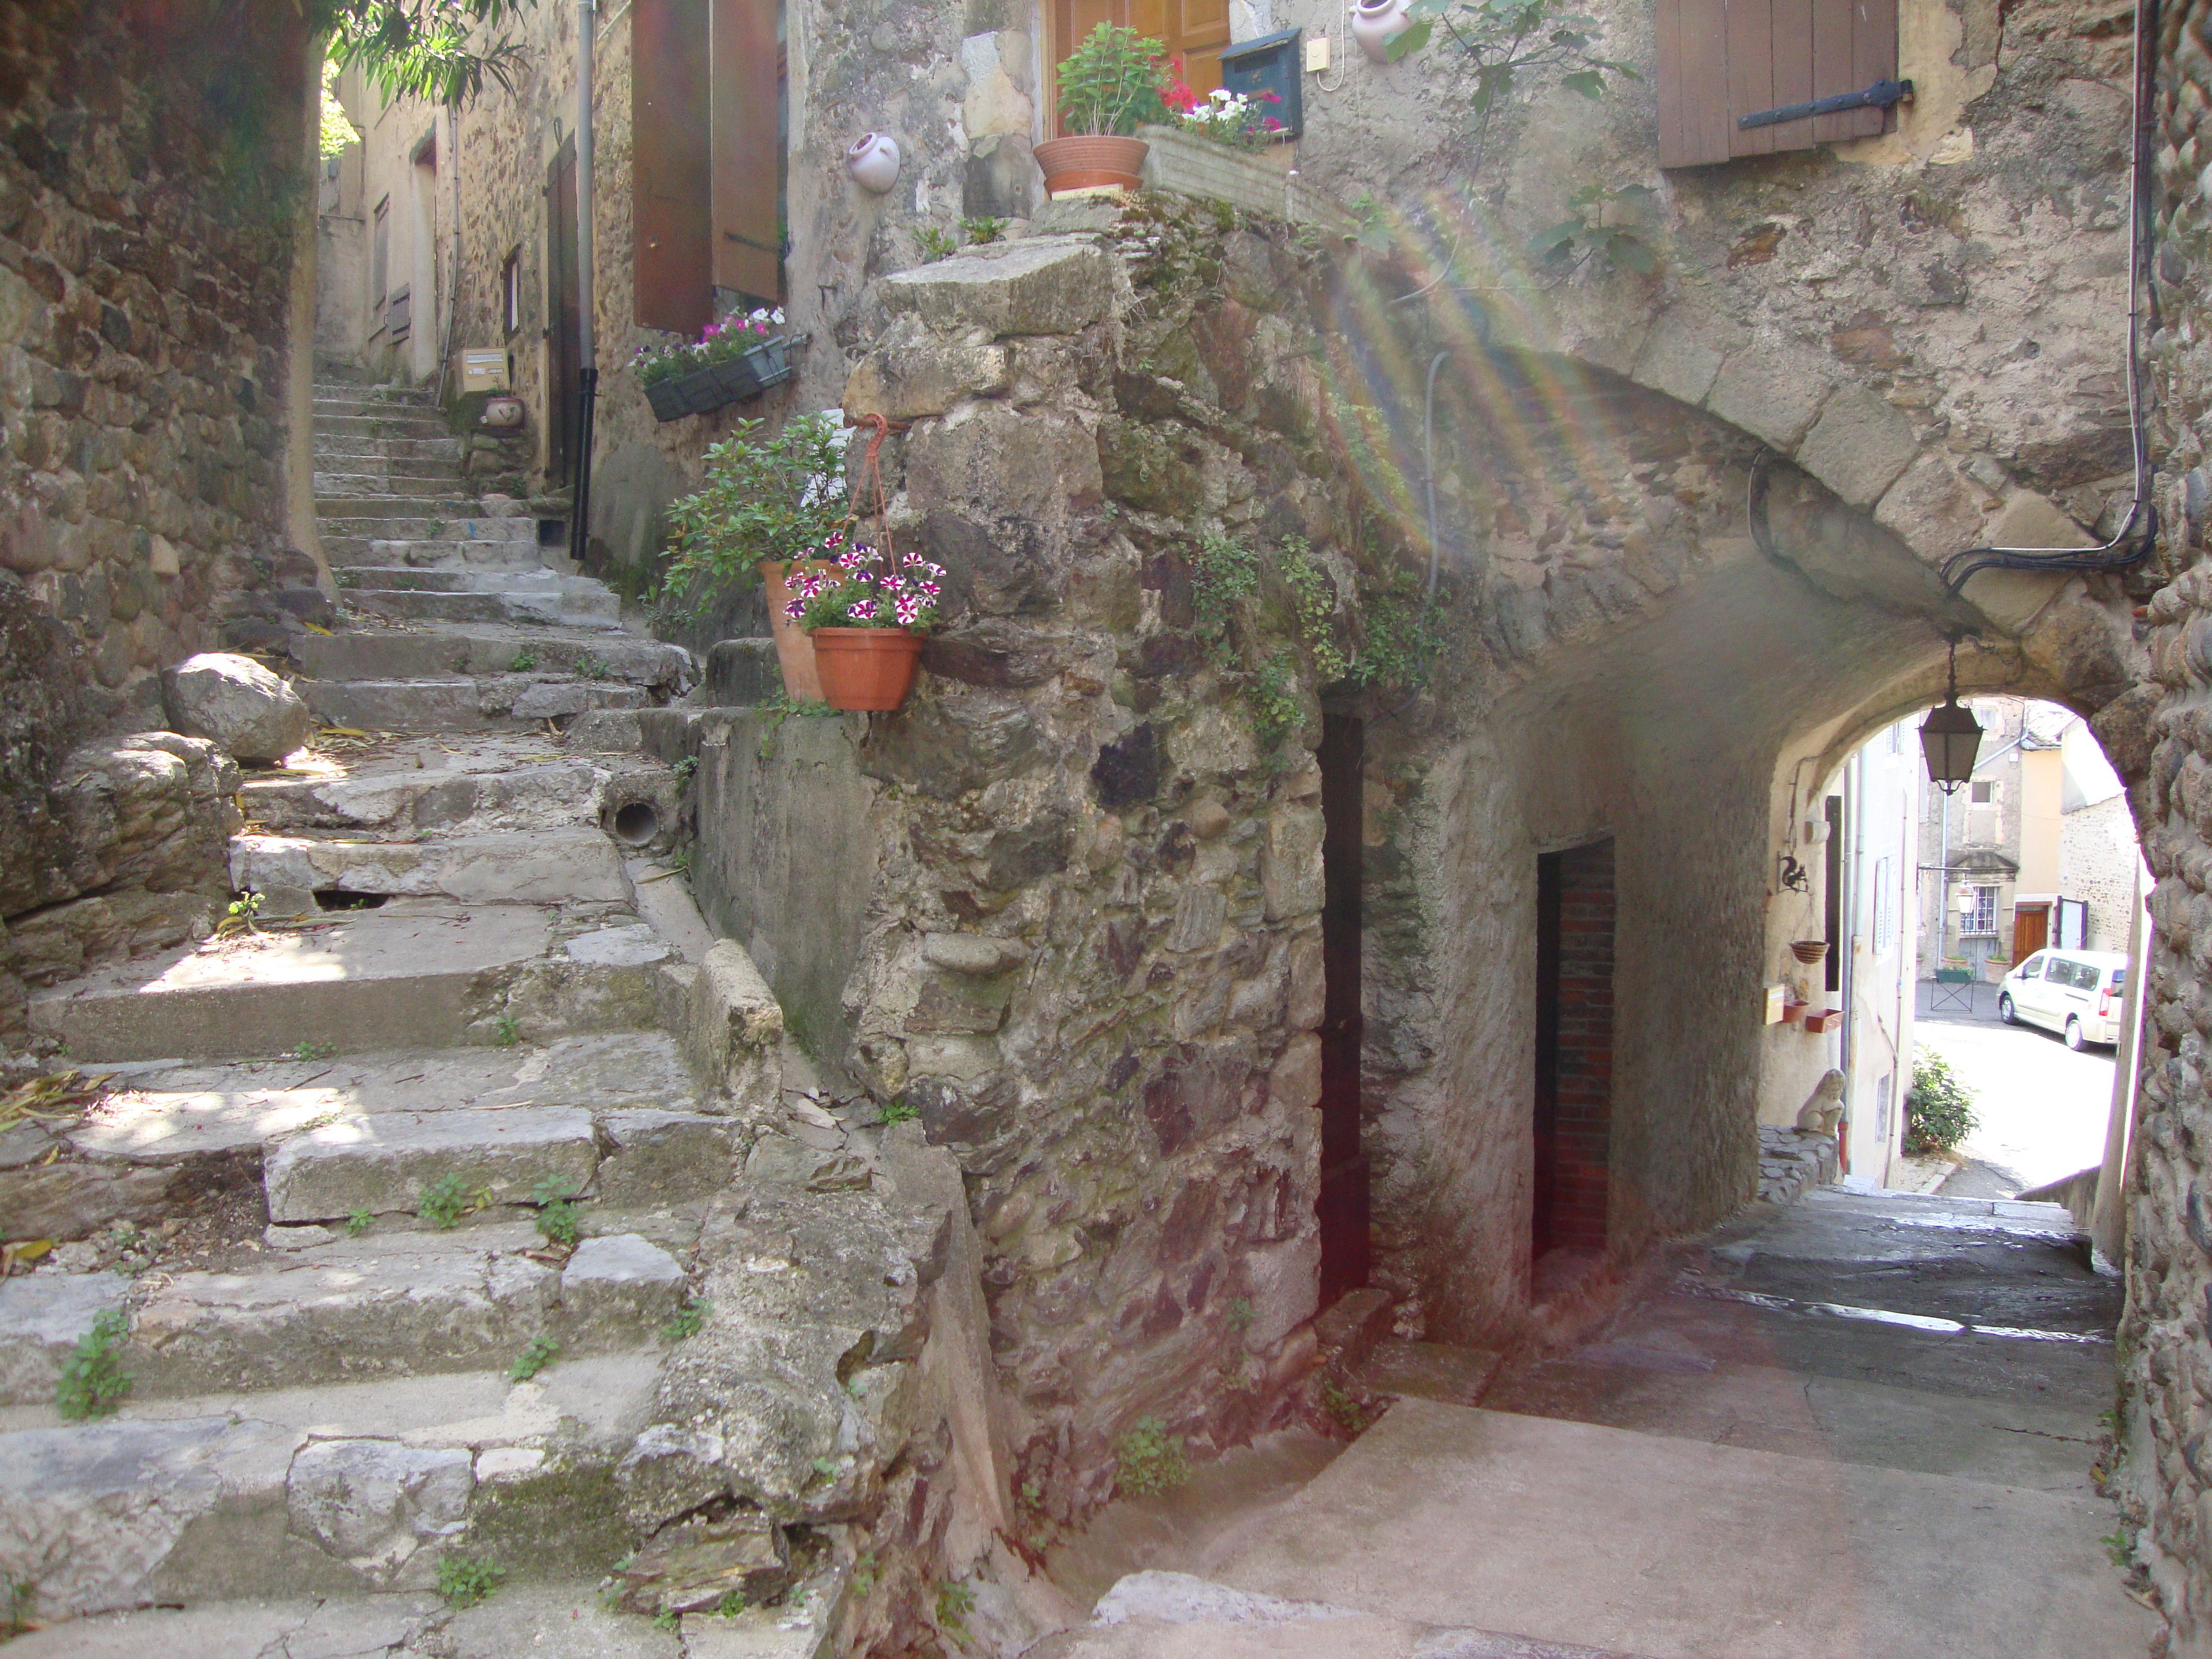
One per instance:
(579,523)
(1848,979)
(1428,463)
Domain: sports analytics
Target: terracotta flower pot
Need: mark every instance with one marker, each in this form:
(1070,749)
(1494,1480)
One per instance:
(1085,162)
(1808,949)
(866,667)
(794,651)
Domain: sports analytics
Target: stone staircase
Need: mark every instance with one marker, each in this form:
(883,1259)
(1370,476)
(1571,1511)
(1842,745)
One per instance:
(468,1211)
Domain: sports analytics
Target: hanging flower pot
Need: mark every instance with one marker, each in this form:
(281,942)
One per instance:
(1808,950)
(1087,162)
(865,668)
(794,649)
(873,161)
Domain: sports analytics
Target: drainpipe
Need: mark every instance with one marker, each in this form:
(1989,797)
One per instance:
(587,347)
(1848,979)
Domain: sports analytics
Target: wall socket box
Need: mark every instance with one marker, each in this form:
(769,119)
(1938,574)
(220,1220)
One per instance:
(1317,54)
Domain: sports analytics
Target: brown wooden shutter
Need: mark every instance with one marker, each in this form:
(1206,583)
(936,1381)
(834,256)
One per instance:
(1719,59)
(748,149)
(669,164)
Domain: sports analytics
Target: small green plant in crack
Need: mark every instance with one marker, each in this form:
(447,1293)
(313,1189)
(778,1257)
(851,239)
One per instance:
(1240,1315)
(23,1597)
(685,1322)
(1272,693)
(359,1223)
(310,1050)
(464,1581)
(1313,600)
(1223,571)
(864,1573)
(982,230)
(825,1467)
(955,1602)
(936,244)
(595,668)
(732,1604)
(240,914)
(555,1195)
(1342,1408)
(345,576)
(533,1359)
(445,1201)
(506,1031)
(1149,1460)
(684,768)
(666,1618)
(897,1109)
(93,1380)
(524,660)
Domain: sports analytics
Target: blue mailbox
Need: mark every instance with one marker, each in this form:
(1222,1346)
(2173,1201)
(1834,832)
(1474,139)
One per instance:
(1268,64)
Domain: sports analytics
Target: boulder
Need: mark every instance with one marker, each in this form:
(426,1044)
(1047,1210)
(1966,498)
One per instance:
(236,702)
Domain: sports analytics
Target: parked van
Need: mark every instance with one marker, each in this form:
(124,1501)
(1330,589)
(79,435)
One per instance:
(2077,993)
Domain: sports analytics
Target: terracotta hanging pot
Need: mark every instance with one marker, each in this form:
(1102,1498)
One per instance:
(1084,162)
(1808,949)
(794,650)
(870,668)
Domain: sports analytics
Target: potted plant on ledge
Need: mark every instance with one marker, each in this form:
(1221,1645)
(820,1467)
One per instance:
(1108,85)
(866,615)
(735,357)
(766,503)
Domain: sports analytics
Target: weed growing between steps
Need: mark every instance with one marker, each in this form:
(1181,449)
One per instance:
(541,1352)
(464,1582)
(685,1322)
(92,1381)
(446,1199)
(555,1199)
(1149,1460)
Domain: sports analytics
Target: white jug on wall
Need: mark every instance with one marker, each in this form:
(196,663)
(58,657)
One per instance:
(873,161)
(1376,23)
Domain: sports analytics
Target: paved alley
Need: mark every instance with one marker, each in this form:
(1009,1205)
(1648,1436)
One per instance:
(1862,1428)
(2042,1107)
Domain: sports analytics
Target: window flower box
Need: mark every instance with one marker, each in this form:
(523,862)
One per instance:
(697,390)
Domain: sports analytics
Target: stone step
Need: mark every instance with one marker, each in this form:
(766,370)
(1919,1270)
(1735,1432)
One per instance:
(426,424)
(346,487)
(341,402)
(344,1488)
(402,515)
(576,602)
(367,446)
(349,553)
(397,470)
(384,1165)
(577,865)
(471,523)
(447,653)
(545,791)
(442,973)
(496,703)
(464,578)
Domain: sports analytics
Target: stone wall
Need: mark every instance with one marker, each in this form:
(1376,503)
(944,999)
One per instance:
(147,228)
(2167,1389)
(2099,864)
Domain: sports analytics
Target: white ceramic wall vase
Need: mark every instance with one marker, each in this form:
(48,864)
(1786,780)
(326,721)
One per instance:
(1376,23)
(873,161)
(502,414)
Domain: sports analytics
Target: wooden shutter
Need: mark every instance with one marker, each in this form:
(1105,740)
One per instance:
(748,149)
(1719,59)
(670,164)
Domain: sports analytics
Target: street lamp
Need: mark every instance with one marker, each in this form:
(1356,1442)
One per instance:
(1950,737)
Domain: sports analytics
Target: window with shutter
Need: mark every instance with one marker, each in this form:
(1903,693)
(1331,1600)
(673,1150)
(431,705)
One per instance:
(748,125)
(1721,60)
(670,164)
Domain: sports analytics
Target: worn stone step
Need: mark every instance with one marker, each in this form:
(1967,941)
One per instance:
(477,787)
(465,578)
(443,652)
(343,487)
(376,446)
(339,1489)
(491,704)
(340,403)
(442,973)
(397,474)
(562,606)
(344,553)
(383,1165)
(577,865)
(410,525)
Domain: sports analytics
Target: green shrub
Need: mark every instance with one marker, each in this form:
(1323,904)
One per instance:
(1939,1109)
(1149,1460)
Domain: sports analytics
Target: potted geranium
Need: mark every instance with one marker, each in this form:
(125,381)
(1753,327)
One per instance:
(765,502)
(866,614)
(736,356)
(1110,84)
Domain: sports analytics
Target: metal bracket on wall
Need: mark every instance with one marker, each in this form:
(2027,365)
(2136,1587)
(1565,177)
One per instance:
(1880,96)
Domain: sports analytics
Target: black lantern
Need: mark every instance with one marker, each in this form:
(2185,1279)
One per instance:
(1950,737)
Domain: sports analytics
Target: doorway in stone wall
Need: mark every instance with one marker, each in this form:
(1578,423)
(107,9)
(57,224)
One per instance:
(1573,1127)
(1344,1172)
(566,344)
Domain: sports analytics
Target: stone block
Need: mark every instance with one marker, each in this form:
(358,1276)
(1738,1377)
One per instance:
(237,704)
(692,1567)
(372,1503)
(1199,911)
(977,954)
(382,1163)
(1294,1081)
(733,1024)
(1285,1282)
(619,1289)
(1682,355)
(1858,446)
(1289,864)
(912,372)
(1038,285)
(664,1158)
(1773,391)
(42,1316)
(743,673)
(1931,510)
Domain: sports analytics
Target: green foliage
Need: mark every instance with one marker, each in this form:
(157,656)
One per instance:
(1240,1315)
(936,244)
(445,1201)
(310,1050)
(1271,692)
(1500,45)
(1606,225)
(1342,1408)
(1313,601)
(898,1109)
(982,230)
(337,130)
(1110,83)
(956,1601)
(434,50)
(760,497)
(1939,1109)
(1223,572)
(1148,1461)
(1403,636)
(594,668)
(93,1380)
(359,1223)
(464,1582)
(864,1573)
(685,768)
(22,1598)
(685,1322)
(524,660)
(533,1360)
(506,1031)
(555,1196)
(667,1619)
(732,1604)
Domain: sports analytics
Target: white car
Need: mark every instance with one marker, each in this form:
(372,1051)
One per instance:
(2075,993)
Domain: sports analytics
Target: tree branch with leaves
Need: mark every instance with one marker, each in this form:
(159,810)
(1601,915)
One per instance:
(442,50)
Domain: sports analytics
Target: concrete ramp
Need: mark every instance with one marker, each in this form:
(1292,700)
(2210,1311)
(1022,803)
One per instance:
(1595,1538)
